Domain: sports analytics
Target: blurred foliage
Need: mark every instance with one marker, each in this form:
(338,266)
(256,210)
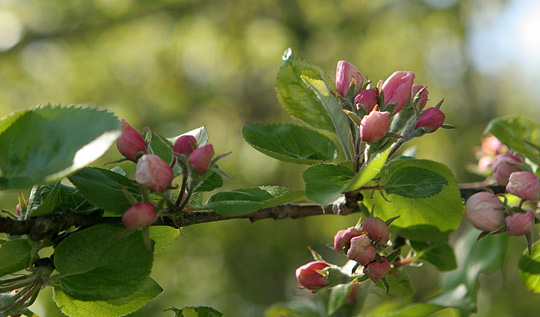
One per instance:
(175,65)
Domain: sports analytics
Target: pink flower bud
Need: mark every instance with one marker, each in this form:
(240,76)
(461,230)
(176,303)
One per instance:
(19,209)
(153,173)
(377,270)
(519,224)
(346,75)
(484,164)
(201,158)
(485,211)
(342,239)
(139,215)
(397,89)
(423,97)
(376,229)
(374,126)
(361,250)
(310,275)
(131,143)
(492,146)
(367,98)
(185,144)
(525,185)
(503,165)
(430,119)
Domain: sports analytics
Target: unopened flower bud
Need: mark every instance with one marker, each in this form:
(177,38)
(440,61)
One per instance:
(19,209)
(131,143)
(485,211)
(430,119)
(310,275)
(346,75)
(367,98)
(361,250)
(492,146)
(423,96)
(139,215)
(484,164)
(503,165)
(397,89)
(525,185)
(519,224)
(374,126)
(377,270)
(185,144)
(342,239)
(201,158)
(376,229)
(153,173)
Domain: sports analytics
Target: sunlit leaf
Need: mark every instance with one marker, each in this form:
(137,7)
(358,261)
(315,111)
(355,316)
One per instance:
(529,268)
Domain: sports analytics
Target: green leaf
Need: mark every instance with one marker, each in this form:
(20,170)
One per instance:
(415,182)
(420,219)
(389,309)
(103,188)
(67,198)
(44,144)
(514,131)
(14,256)
(473,257)
(529,268)
(102,262)
(213,181)
(43,199)
(439,254)
(290,143)
(338,296)
(369,171)
(400,284)
(107,308)
(244,201)
(195,311)
(163,236)
(325,181)
(297,98)
(335,112)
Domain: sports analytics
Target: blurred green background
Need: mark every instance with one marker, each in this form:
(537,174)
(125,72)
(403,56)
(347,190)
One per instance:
(176,65)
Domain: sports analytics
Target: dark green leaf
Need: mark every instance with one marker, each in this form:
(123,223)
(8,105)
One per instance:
(439,254)
(325,181)
(400,284)
(43,199)
(290,143)
(195,311)
(44,144)
(297,98)
(420,219)
(213,181)
(14,256)
(415,182)
(68,198)
(107,308)
(514,131)
(102,262)
(103,188)
(529,268)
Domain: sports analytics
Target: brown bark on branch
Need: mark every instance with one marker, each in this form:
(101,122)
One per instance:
(51,224)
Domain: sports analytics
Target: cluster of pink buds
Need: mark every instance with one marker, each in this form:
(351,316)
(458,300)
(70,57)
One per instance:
(200,158)
(503,165)
(491,147)
(396,91)
(361,245)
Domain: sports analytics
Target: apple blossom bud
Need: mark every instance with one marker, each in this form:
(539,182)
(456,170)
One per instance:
(131,143)
(376,229)
(397,89)
(346,75)
(377,270)
(423,96)
(310,275)
(484,164)
(503,165)
(342,239)
(153,173)
(139,215)
(492,146)
(519,224)
(430,119)
(201,158)
(18,209)
(525,185)
(361,250)
(185,144)
(367,98)
(485,211)
(374,126)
